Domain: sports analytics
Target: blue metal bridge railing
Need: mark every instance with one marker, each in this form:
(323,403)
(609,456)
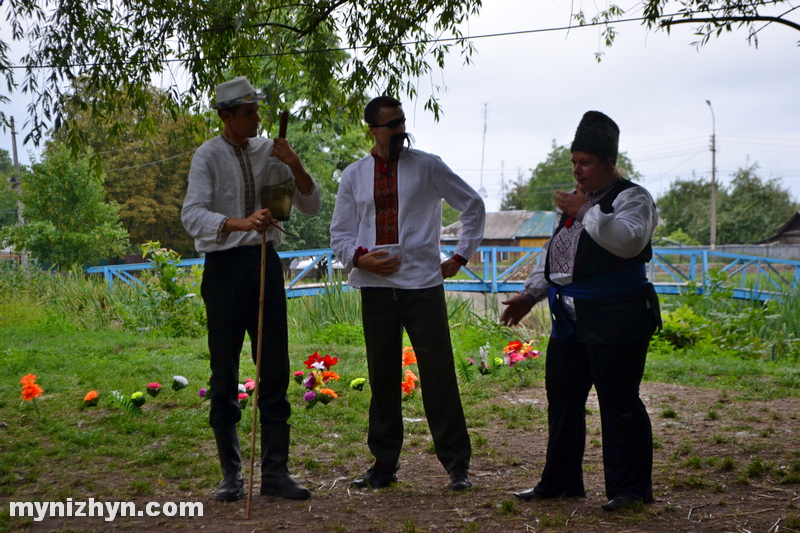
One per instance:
(504,269)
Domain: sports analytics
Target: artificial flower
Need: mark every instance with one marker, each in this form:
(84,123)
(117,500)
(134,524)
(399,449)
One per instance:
(242,389)
(512,346)
(409,357)
(91,398)
(514,357)
(319,373)
(138,398)
(409,382)
(485,368)
(249,386)
(329,375)
(326,396)
(179,382)
(203,393)
(243,397)
(518,351)
(323,362)
(153,389)
(358,384)
(30,390)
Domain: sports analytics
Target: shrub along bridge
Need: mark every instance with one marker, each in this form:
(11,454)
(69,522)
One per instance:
(497,269)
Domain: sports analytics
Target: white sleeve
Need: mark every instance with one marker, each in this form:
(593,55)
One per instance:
(344,223)
(463,198)
(308,204)
(627,230)
(200,222)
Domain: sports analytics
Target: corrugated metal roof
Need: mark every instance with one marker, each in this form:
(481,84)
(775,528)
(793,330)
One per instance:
(539,225)
(499,226)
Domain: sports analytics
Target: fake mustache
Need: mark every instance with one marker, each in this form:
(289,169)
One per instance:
(398,139)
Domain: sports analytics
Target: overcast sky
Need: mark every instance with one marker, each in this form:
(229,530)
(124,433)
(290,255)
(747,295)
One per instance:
(535,87)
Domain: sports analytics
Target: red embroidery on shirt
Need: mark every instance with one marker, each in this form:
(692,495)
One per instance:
(386,203)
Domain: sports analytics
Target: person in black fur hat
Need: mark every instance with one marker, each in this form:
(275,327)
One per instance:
(605,312)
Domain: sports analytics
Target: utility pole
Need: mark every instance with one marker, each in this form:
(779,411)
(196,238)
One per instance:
(14,180)
(481,191)
(713,177)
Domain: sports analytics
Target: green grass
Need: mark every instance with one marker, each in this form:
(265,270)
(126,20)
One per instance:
(171,445)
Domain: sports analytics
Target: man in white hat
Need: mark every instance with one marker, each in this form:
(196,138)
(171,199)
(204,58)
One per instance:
(222,212)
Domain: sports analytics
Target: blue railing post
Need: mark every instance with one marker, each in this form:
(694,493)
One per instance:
(494,270)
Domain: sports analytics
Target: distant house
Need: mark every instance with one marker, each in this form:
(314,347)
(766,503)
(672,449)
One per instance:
(535,231)
(508,228)
(788,234)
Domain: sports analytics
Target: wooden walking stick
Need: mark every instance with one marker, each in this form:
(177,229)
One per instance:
(260,341)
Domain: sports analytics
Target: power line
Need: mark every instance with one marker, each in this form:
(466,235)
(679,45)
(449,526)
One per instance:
(373,46)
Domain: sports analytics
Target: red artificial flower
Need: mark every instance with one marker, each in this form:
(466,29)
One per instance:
(513,346)
(313,358)
(327,361)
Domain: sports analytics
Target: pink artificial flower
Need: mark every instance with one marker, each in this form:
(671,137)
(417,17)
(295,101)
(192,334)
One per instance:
(514,357)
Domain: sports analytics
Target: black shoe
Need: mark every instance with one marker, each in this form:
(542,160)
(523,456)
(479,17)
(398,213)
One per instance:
(372,479)
(623,501)
(283,486)
(459,478)
(538,493)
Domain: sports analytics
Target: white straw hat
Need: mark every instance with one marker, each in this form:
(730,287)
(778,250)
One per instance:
(236,92)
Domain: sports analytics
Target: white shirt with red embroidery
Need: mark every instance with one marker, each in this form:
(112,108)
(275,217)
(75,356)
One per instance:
(423,181)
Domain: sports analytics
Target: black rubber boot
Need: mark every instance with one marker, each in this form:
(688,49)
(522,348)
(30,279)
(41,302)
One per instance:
(275,478)
(230,458)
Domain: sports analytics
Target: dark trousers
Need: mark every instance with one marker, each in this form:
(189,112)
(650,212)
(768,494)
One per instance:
(423,314)
(616,371)
(230,289)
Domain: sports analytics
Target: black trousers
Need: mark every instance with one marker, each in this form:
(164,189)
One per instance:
(423,314)
(230,289)
(616,371)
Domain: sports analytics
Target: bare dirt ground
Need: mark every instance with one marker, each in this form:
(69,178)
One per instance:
(721,465)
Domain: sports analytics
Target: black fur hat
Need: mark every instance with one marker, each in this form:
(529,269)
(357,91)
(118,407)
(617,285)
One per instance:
(597,134)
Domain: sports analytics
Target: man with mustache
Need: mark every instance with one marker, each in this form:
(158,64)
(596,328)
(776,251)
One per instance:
(386,225)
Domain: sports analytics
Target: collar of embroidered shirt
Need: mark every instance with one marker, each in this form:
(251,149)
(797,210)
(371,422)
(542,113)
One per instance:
(227,140)
(594,197)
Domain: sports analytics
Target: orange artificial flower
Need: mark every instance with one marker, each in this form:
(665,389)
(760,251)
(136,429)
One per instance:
(329,392)
(409,383)
(329,375)
(30,390)
(409,357)
(91,395)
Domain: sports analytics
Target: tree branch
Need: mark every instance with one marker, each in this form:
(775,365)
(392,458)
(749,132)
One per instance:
(715,20)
